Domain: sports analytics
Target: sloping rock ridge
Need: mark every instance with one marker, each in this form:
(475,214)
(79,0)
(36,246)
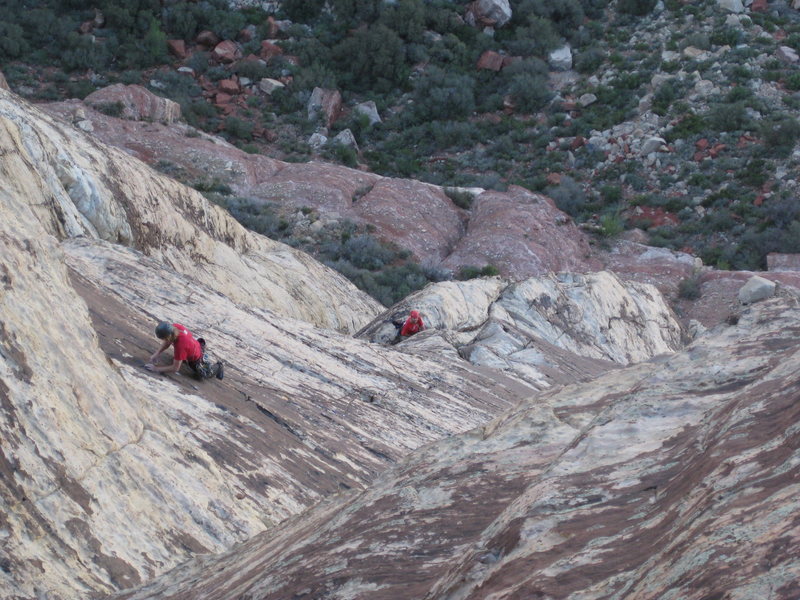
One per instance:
(79,187)
(675,478)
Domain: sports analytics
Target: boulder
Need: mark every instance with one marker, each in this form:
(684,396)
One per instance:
(787,54)
(346,138)
(229,86)
(268,85)
(560,59)
(369,110)
(325,104)
(317,140)
(137,102)
(491,13)
(269,50)
(490,60)
(734,6)
(653,144)
(247,34)
(207,39)
(757,288)
(177,48)
(587,99)
(227,52)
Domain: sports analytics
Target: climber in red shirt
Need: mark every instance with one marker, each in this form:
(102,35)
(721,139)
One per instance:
(184,348)
(413,324)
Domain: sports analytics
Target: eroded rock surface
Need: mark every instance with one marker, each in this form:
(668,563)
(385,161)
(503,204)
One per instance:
(545,330)
(676,478)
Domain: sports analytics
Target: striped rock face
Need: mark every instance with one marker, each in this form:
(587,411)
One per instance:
(674,478)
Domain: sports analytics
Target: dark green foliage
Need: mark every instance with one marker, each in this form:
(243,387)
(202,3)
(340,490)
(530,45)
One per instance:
(439,94)
(689,288)
(689,125)
(374,57)
(302,11)
(636,7)
(112,109)
(726,36)
(239,128)
(462,199)
(536,38)
(568,196)
(566,15)
(792,81)
(527,84)
(406,18)
(729,117)
(781,135)
(12,41)
(589,60)
(666,93)
(471,272)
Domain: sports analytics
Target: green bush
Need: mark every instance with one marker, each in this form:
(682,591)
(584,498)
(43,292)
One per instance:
(441,95)
(689,288)
(373,58)
(637,8)
(568,196)
(781,135)
(461,198)
(472,272)
(112,109)
(239,128)
(589,60)
(729,117)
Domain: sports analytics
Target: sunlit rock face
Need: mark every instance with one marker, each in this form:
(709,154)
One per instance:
(673,478)
(112,474)
(545,330)
(79,187)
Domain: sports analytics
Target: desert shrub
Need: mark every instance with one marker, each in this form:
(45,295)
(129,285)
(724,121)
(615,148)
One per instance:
(112,109)
(666,93)
(372,58)
(689,124)
(356,11)
(451,52)
(527,84)
(472,272)
(637,8)
(729,117)
(442,95)
(568,196)
(589,60)
(726,36)
(12,41)
(792,81)
(460,198)
(406,17)
(697,40)
(302,11)
(781,135)
(536,38)
(689,288)
(566,15)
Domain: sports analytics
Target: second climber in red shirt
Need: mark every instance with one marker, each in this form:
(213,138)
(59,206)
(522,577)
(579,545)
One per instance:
(184,349)
(413,324)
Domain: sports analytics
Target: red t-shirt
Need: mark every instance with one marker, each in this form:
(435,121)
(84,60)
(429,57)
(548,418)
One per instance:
(185,347)
(411,326)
